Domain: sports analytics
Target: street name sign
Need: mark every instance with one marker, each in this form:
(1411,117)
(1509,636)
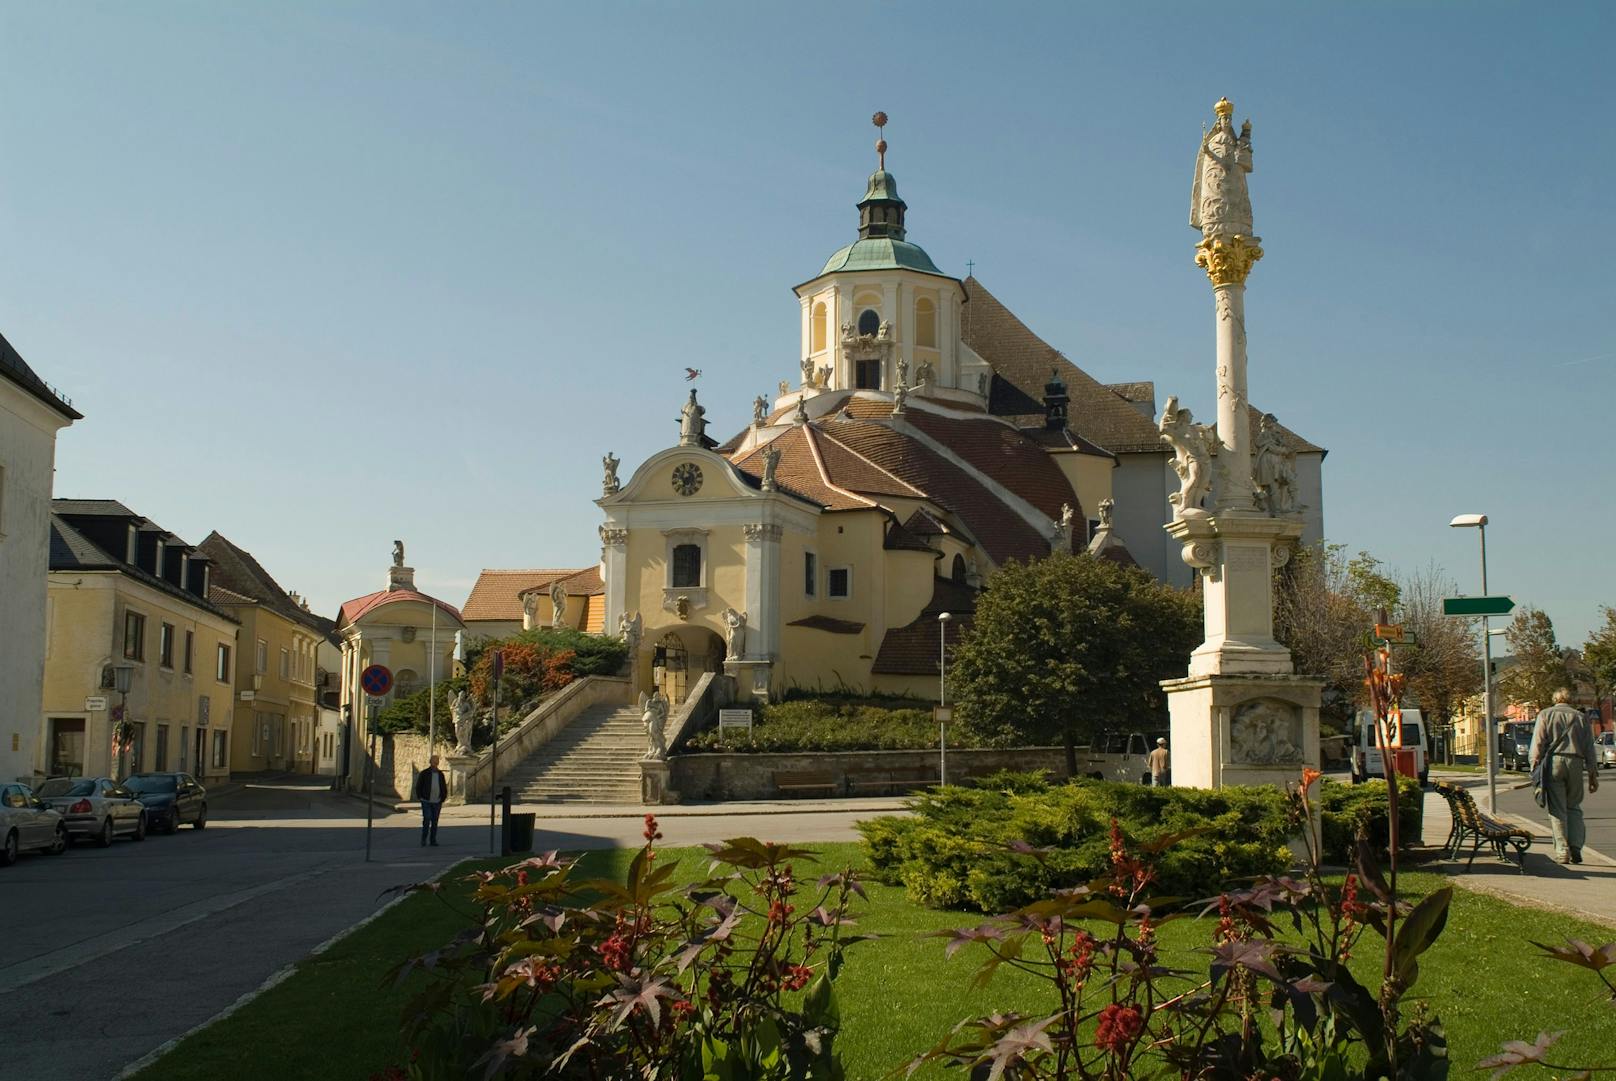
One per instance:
(376,680)
(1477,606)
(95,703)
(1389,632)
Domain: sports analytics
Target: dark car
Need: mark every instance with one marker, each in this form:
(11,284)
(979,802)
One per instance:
(171,799)
(1515,746)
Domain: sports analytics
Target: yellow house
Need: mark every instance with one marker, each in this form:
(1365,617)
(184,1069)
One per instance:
(124,593)
(503,602)
(275,681)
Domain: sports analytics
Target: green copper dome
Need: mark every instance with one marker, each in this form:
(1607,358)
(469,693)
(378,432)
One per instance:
(881,253)
(883,185)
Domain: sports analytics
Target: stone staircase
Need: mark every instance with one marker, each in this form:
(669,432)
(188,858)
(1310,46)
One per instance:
(595,759)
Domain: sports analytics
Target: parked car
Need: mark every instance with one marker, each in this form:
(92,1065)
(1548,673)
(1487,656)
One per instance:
(28,825)
(1605,749)
(171,799)
(1366,755)
(95,808)
(1515,746)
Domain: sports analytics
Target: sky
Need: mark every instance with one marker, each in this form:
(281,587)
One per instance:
(322,275)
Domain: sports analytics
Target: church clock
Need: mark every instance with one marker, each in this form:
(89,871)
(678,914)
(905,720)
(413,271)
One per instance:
(687,478)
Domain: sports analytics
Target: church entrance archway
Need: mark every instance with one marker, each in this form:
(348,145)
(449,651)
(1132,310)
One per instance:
(681,657)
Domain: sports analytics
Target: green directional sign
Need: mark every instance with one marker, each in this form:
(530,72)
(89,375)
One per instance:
(1477,606)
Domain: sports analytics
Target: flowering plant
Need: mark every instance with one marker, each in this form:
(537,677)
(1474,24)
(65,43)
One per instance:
(559,977)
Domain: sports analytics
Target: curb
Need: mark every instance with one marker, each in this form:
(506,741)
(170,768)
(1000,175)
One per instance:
(276,978)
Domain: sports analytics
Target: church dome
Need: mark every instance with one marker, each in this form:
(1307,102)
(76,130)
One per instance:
(881,253)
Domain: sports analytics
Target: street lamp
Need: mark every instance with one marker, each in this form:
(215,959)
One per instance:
(1478,522)
(942,697)
(121,676)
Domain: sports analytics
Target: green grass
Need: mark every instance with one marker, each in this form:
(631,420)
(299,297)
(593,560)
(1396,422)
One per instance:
(333,1019)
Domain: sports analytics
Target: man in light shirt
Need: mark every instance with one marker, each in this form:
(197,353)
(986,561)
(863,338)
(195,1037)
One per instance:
(1158,763)
(1562,733)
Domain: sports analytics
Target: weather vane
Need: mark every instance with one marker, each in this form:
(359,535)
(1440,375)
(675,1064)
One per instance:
(880,121)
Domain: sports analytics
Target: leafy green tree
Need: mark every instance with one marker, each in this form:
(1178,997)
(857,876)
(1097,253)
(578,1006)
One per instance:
(1442,666)
(1325,604)
(1538,667)
(1065,647)
(1599,655)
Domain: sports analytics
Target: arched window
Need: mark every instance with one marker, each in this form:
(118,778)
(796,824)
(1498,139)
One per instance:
(816,332)
(959,567)
(869,322)
(686,566)
(925,324)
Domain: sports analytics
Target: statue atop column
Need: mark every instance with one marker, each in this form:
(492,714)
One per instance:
(1274,470)
(692,426)
(1220,204)
(609,484)
(1192,445)
(558,605)
(654,715)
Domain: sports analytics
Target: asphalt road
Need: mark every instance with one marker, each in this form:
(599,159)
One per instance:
(106,954)
(1598,809)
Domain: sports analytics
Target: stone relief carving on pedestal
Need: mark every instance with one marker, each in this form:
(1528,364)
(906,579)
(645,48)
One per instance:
(1193,445)
(464,713)
(654,716)
(734,632)
(1273,470)
(558,604)
(1266,732)
(609,484)
(771,462)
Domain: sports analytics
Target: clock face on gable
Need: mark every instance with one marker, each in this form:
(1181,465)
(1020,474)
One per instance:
(687,478)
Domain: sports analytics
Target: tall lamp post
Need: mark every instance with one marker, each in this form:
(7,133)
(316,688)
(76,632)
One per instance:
(942,696)
(121,677)
(1478,522)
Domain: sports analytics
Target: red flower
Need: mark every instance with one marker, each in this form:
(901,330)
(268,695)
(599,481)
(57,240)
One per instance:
(1119,1027)
(797,977)
(651,832)
(614,953)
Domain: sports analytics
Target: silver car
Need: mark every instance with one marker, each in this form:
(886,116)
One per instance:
(1605,749)
(27,825)
(95,808)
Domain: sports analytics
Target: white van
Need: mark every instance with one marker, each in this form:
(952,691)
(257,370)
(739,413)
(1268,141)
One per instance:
(1366,755)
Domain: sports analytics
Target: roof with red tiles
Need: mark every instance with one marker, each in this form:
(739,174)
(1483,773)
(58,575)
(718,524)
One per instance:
(802,470)
(1003,454)
(356,609)
(497,593)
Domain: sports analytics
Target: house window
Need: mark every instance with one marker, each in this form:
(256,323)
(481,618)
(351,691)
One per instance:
(816,337)
(839,583)
(134,636)
(867,374)
(165,645)
(810,574)
(67,747)
(263,657)
(925,324)
(869,323)
(686,566)
(219,747)
(286,665)
(221,667)
(160,763)
(190,641)
(958,572)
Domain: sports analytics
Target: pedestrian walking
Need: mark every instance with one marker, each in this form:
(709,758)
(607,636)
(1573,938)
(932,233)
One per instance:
(1561,736)
(1159,764)
(431,788)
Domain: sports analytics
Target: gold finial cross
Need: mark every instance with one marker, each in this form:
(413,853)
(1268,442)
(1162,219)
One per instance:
(880,121)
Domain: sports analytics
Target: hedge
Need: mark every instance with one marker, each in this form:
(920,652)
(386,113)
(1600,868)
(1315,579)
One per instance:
(833,723)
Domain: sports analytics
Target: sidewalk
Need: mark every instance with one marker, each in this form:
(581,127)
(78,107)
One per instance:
(1586,890)
(553,811)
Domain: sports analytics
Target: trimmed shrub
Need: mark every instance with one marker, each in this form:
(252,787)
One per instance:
(834,723)
(1344,807)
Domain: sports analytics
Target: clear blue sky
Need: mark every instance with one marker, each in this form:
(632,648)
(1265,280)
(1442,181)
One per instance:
(322,275)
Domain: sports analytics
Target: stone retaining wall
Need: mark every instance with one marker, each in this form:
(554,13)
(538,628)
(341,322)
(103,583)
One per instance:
(752,776)
(403,755)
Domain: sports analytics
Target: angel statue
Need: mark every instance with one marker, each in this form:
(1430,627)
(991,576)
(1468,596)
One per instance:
(784,388)
(530,610)
(628,628)
(654,715)
(807,371)
(1192,445)
(558,604)
(609,484)
(464,712)
(734,632)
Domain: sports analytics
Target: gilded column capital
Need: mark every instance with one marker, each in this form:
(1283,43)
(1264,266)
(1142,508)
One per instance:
(1228,260)
(613,537)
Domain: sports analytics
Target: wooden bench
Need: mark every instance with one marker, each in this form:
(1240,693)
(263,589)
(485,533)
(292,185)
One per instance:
(903,781)
(808,781)
(1469,824)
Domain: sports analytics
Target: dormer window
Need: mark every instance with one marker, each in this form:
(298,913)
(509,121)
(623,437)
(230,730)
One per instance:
(869,323)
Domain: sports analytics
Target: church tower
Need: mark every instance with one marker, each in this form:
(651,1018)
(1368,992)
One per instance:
(880,313)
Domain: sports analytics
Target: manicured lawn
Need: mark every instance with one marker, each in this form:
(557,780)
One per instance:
(334,1020)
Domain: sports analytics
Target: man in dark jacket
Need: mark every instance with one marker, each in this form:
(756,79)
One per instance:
(431,787)
(1562,734)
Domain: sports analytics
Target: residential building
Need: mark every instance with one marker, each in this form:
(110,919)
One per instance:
(328,746)
(275,679)
(31,414)
(503,602)
(124,593)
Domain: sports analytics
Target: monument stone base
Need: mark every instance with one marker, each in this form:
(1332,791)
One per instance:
(1242,729)
(752,676)
(459,766)
(654,782)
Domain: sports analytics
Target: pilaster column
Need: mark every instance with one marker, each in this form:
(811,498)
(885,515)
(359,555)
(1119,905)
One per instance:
(763,590)
(840,312)
(891,299)
(807,326)
(614,569)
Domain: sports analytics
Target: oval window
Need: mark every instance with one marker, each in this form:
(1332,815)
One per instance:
(869,322)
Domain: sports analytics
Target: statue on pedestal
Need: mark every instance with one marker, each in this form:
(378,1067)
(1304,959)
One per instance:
(530,610)
(558,605)
(1192,445)
(463,711)
(654,715)
(807,371)
(628,629)
(1220,204)
(903,372)
(784,388)
(771,462)
(398,553)
(734,633)
(1274,470)
(609,484)
(691,425)
(1108,510)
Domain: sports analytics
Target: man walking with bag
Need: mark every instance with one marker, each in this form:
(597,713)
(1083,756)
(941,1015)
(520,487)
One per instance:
(431,788)
(1563,745)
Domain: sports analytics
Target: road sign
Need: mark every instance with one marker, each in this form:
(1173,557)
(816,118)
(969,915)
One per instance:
(1389,632)
(95,703)
(1477,606)
(376,680)
(942,714)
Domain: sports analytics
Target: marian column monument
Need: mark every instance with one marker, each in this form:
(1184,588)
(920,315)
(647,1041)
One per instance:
(1241,716)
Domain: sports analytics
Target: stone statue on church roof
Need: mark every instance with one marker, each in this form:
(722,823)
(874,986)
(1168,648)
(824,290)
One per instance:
(807,371)
(398,553)
(558,604)
(760,410)
(692,426)
(1108,510)
(609,484)
(771,462)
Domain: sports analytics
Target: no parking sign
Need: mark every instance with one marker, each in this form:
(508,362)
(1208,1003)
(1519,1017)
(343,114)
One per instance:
(376,680)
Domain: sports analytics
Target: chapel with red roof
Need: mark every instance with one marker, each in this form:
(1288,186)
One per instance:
(926,438)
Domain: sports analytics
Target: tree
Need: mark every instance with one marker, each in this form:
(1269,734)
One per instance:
(1066,647)
(1442,667)
(1538,667)
(1599,655)
(1324,606)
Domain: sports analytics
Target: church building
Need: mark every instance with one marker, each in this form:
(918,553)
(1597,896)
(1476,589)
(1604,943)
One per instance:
(926,438)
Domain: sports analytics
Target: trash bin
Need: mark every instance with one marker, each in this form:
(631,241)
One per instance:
(521,837)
